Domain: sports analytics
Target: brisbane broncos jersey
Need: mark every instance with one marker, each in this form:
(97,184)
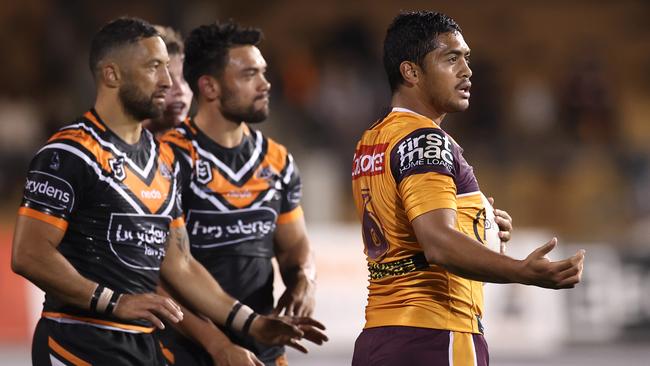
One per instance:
(233,198)
(405,166)
(116,203)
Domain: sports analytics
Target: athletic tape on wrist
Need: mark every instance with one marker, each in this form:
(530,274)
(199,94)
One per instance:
(95,297)
(240,317)
(112,303)
(249,321)
(104,299)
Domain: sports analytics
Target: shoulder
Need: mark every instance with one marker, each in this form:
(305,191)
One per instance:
(276,153)
(180,137)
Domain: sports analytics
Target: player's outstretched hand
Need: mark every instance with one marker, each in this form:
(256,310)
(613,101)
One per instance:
(149,307)
(311,328)
(540,271)
(287,331)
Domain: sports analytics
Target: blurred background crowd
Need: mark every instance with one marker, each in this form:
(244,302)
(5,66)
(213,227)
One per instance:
(558,126)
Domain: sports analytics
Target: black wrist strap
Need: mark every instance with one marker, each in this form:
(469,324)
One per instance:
(93,300)
(249,321)
(111,304)
(233,312)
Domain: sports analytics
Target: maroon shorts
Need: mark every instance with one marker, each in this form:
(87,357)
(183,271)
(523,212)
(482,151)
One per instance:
(396,345)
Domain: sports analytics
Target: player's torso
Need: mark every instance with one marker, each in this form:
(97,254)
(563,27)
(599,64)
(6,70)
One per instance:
(398,295)
(231,204)
(117,201)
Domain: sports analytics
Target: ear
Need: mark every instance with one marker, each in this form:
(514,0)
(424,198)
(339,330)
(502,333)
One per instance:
(410,72)
(111,76)
(209,87)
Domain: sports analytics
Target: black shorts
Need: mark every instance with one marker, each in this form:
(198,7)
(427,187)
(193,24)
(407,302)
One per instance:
(395,346)
(179,350)
(81,344)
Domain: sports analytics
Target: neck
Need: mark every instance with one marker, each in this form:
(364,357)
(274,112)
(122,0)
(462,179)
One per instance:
(122,124)
(222,131)
(416,104)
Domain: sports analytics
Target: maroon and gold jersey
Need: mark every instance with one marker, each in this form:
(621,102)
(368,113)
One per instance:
(233,199)
(405,166)
(116,203)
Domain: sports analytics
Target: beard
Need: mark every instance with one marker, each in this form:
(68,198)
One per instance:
(137,104)
(238,113)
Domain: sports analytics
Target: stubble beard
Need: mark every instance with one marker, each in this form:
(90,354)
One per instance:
(137,104)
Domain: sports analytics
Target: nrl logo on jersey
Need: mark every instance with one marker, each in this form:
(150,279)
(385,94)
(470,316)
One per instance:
(203,172)
(117,167)
(428,147)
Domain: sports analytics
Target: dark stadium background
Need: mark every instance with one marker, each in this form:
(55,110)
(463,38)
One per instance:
(558,132)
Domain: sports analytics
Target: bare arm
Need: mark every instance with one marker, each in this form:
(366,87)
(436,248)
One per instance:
(203,331)
(445,246)
(35,257)
(296,261)
(197,288)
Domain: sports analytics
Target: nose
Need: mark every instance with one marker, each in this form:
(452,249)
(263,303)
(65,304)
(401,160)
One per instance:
(266,85)
(165,79)
(466,72)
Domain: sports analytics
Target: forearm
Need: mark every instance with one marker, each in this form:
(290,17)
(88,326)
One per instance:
(35,257)
(201,330)
(196,288)
(67,285)
(468,258)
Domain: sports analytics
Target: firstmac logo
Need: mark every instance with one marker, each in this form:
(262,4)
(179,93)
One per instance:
(429,147)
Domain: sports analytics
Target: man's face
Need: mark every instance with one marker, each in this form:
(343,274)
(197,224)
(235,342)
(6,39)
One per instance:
(179,97)
(445,81)
(145,78)
(244,89)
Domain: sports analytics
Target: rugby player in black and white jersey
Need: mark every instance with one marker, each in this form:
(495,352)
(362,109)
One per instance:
(100,223)
(241,196)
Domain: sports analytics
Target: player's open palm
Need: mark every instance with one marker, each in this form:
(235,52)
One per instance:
(540,271)
(149,307)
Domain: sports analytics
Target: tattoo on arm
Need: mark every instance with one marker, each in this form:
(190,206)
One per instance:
(181,240)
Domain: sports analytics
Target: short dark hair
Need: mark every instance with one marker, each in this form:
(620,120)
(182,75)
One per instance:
(206,49)
(410,37)
(117,33)
(172,38)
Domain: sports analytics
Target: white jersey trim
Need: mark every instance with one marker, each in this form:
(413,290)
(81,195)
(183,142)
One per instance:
(117,152)
(74,321)
(97,171)
(244,169)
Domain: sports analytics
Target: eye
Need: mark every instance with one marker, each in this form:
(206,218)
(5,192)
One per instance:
(467,60)
(453,59)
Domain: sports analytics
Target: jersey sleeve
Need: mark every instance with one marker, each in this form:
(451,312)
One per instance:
(290,208)
(423,165)
(184,154)
(54,185)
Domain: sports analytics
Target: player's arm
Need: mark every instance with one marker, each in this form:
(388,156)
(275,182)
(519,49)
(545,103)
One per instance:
(296,261)
(196,287)
(447,247)
(203,331)
(35,257)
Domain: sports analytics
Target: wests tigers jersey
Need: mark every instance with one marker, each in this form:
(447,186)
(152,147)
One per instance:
(233,198)
(116,203)
(405,166)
